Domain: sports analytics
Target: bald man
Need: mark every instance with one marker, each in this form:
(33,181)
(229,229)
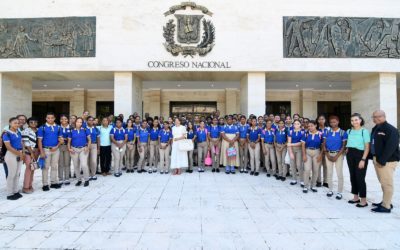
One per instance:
(385,154)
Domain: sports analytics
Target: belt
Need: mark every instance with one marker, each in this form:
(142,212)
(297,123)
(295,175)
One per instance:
(333,152)
(312,148)
(270,143)
(284,143)
(79,146)
(48,147)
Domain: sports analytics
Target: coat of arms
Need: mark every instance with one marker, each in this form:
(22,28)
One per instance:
(192,34)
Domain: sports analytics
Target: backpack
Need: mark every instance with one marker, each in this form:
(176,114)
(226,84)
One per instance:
(3,147)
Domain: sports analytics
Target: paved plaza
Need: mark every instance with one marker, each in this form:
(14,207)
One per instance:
(195,211)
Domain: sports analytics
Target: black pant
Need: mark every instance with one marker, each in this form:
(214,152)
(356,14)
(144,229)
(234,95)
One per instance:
(105,158)
(357,175)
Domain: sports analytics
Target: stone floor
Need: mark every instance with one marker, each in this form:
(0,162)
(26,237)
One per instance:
(195,211)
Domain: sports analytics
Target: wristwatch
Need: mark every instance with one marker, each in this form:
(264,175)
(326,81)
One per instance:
(363,159)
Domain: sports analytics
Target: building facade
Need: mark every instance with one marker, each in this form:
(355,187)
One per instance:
(171,57)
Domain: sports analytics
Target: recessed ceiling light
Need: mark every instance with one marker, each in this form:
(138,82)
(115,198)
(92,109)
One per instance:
(297,85)
(45,85)
(212,85)
(179,85)
(78,85)
(330,85)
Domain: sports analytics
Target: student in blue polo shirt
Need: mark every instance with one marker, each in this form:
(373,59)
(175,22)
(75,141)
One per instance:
(322,172)
(230,136)
(214,136)
(94,149)
(191,135)
(253,140)
(202,146)
(14,158)
(78,146)
(130,146)
(281,134)
(165,139)
(64,162)
(154,146)
(268,149)
(334,145)
(312,155)
(243,145)
(118,138)
(295,152)
(49,140)
(142,136)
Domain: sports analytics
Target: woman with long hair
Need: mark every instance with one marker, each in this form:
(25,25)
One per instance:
(29,139)
(179,158)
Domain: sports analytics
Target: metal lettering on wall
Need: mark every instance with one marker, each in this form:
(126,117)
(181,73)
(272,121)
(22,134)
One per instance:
(341,37)
(48,37)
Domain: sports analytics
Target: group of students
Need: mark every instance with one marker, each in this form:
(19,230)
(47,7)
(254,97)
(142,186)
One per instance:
(310,147)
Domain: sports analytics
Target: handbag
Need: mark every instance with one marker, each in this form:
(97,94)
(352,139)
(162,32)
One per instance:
(231,151)
(208,161)
(34,164)
(287,158)
(186,145)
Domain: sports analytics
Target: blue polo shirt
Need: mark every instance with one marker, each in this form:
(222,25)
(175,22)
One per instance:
(190,134)
(312,140)
(201,135)
(65,133)
(49,135)
(296,135)
(143,135)
(165,135)
(131,132)
(230,129)
(268,135)
(275,126)
(94,134)
(335,139)
(119,134)
(281,136)
(253,134)
(15,139)
(243,130)
(79,137)
(214,131)
(154,132)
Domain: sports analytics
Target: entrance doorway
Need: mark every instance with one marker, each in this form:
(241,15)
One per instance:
(193,108)
(104,109)
(278,108)
(40,109)
(340,109)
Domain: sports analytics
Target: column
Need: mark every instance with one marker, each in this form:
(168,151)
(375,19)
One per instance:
(77,104)
(252,93)
(15,97)
(152,102)
(308,106)
(230,101)
(376,91)
(127,94)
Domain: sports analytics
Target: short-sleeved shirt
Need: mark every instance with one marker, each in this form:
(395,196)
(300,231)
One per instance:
(214,131)
(119,134)
(143,135)
(79,137)
(254,134)
(190,134)
(94,134)
(243,130)
(14,138)
(154,132)
(268,135)
(296,135)
(334,139)
(312,140)
(65,132)
(358,138)
(131,132)
(105,135)
(281,135)
(165,135)
(230,129)
(49,135)
(201,135)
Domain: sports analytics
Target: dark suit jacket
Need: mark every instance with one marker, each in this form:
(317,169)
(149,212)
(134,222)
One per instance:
(386,143)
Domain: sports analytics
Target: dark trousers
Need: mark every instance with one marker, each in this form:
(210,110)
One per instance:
(357,175)
(5,169)
(105,158)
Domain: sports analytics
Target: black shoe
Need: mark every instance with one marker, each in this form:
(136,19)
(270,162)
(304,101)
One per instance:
(191,171)
(78,183)
(217,170)
(86,184)
(314,189)
(140,171)
(18,195)
(256,173)
(381,209)
(245,171)
(150,171)
(227,172)
(213,170)
(380,205)
(283,178)
(187,171)
(12,197)
(252,173)
(128,170)
(353,201)
(53,186)
(359,205)
(329,194)
(46,188)
(241,171)
(326,185)
(268,175)
(305,190)
(319,184)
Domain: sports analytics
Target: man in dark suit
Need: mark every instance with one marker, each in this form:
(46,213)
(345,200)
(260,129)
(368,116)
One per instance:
(385,154)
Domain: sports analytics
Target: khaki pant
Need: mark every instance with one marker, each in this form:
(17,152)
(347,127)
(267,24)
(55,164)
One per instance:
(51,163)
(130,155)
(254,157)
(202,148)
(281,150)
(118,156)
(385,176)
(164,157)
(323,171)
(215,151)
(339,171)
(92,159)
(243,154)
(296,163)
(270,157)
(142,155)
(154,154)
(64,163)
(80,160)
(190,158)
(14,170)
(311,165)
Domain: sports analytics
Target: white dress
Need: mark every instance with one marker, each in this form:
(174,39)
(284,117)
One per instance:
(179,159)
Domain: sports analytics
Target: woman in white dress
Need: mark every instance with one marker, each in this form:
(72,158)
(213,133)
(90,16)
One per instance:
(179,158)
